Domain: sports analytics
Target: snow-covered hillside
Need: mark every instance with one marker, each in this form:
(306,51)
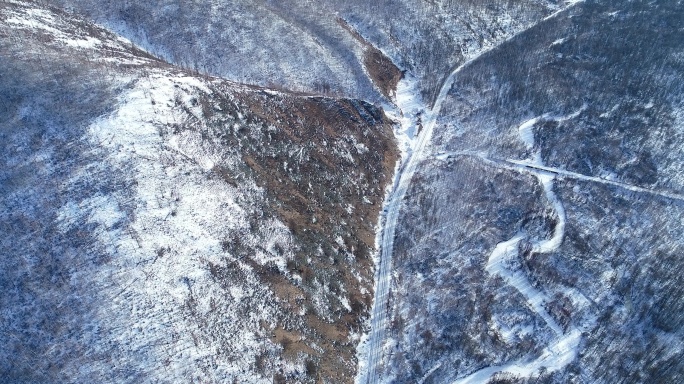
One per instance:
(440,191)
(300,45)
(539,238)
(162,226)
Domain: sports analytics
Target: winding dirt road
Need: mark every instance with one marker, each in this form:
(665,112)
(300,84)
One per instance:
(376,351)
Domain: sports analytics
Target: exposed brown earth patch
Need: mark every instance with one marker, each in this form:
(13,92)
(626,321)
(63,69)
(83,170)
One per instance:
(382,71)
(324,165)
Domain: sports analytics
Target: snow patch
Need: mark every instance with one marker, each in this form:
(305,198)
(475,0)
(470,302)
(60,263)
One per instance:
(526,132)
(408,111)
(165,233)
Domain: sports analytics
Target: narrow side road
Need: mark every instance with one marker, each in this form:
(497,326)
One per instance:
(562,349)
(376,351)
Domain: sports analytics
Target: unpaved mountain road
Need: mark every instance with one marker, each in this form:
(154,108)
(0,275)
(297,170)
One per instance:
(379,320)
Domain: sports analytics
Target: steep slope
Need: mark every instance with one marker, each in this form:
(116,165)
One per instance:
(301,46)
(539,241)
(163,226)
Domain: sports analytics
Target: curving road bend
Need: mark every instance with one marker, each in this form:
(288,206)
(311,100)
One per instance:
(562,350)
(376,342)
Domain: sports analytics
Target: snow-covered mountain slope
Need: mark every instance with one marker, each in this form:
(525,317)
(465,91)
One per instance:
(300,45)
(160,226)
(540,238)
